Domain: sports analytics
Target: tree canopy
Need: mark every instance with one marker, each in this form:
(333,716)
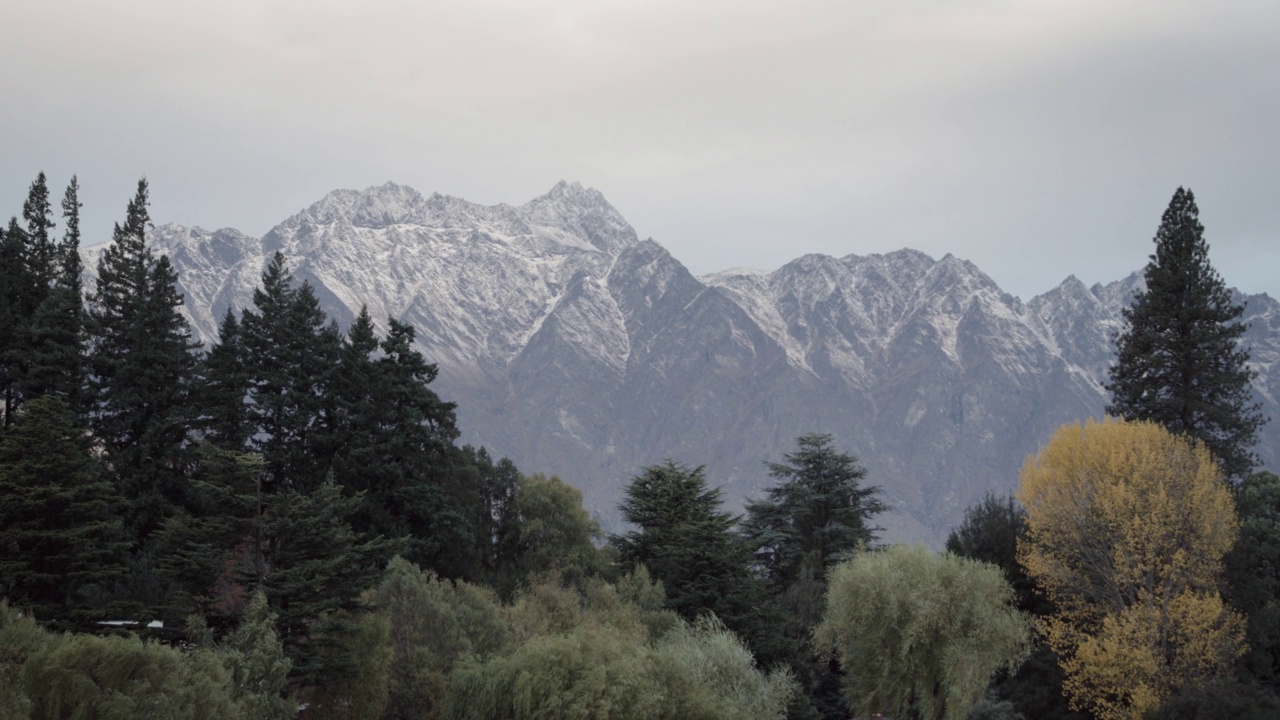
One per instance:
(920,634)
(1179,362)
(1127,526)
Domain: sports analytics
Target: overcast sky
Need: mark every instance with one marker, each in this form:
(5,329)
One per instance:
(1037,138)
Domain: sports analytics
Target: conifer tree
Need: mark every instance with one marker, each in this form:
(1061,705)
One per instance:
(41,250)
(54,340)
(224,418)
(291,350)
(142,368)
(690,545)
(60,533)
(1179,363)
(12,285)
(819,511)
(29,266)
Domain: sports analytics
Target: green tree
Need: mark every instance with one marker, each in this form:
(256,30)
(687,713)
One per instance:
(554,532)
(920,634)
(819,512)
(990,532)
(1179,362)
(142,370)
(1253,576)
(53,342)
(122,678)
(12,285)
(60,533)
(30,259)
(291,350)
(434,625)
(689,545)
(223,416)
(393,438)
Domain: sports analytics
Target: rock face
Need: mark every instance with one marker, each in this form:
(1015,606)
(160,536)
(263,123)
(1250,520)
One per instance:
(577,349)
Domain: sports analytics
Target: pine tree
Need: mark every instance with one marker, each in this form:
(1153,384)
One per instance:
(29,257)
(1179,363)
(54,340)
(142,369)
(60,533)
(689,544)
(818,511)
(291,350)
(12,286)
(41,249)
(223,416)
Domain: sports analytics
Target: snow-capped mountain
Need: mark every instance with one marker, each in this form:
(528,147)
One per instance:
(577,349)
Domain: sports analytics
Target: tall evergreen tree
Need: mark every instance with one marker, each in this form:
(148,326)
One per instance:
(689,544)
(54,340)
(41,248)
(142,370)
(1179,363)
(819,511)
(224,418)
(291,350)
(60,532)
(12,285)
(29,257)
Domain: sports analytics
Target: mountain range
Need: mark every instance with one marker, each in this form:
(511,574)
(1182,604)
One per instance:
(575,348)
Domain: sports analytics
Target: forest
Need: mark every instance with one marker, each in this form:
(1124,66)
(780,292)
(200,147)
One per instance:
(283,524)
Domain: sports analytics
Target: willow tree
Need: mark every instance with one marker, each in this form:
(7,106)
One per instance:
(920,634)
(1127,526)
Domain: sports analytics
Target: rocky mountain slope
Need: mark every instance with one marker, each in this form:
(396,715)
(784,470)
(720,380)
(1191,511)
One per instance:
(577,349)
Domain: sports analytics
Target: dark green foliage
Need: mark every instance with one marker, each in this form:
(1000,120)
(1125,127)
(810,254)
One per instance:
(224,418)
(1253,576)
(317,565)
(395,446)
(142,370)
(1179,363)
(295,546)
(989,532)
(291,352)
(689,545)
(13,284)
(215,550)
(818,512)
(39,305)
(60,533)
(1229,700)
(1035,690)
(41,254)
(553,533)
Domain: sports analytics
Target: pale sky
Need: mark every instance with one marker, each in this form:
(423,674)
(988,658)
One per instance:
(1038,138)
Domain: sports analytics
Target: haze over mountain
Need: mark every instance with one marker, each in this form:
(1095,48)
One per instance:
(577,349)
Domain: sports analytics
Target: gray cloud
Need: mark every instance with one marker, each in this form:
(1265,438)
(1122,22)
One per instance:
(1036,139)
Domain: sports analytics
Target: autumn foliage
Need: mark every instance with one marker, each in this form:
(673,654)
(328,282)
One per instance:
(1127,526)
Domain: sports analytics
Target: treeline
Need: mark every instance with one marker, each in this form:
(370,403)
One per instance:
(292,508)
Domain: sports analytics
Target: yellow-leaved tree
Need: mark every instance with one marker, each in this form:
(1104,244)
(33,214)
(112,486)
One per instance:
(1127,526)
